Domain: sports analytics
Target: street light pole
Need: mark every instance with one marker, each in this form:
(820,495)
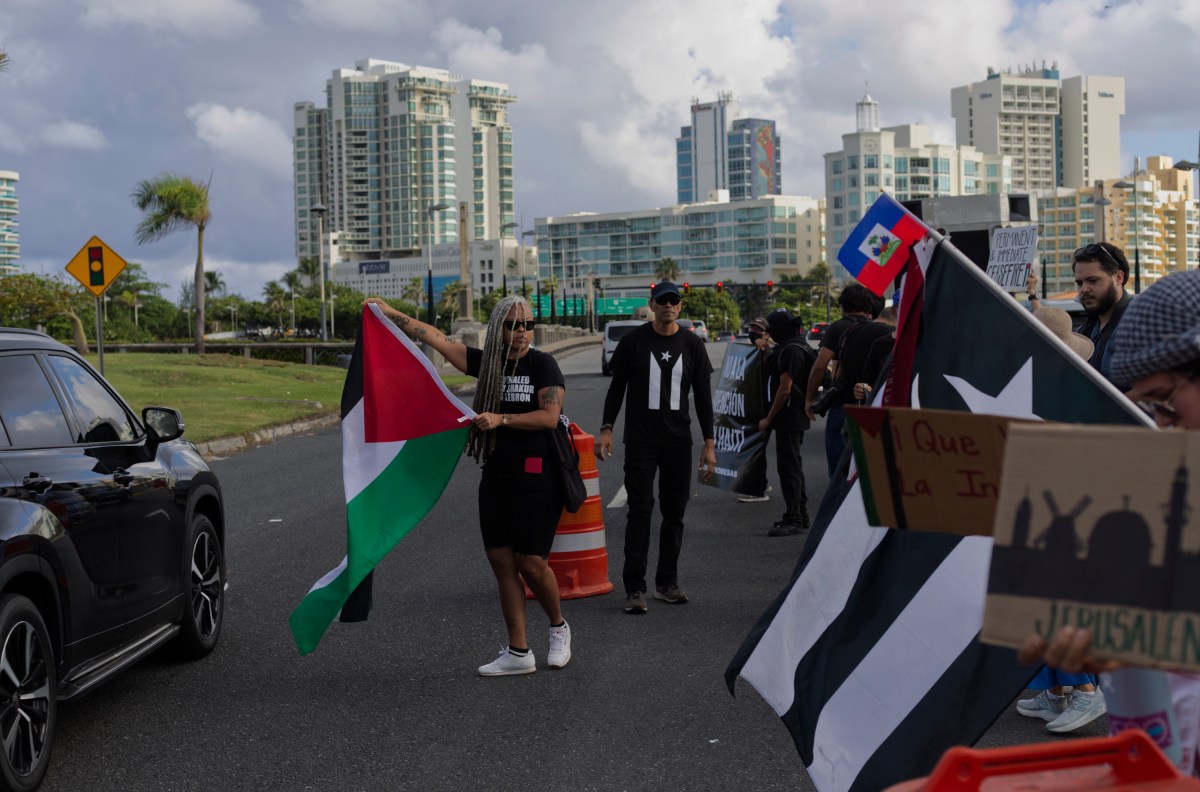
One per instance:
(1137,229)
(432,316)
(320,209)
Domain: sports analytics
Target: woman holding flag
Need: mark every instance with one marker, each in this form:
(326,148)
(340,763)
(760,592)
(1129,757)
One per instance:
(518,401)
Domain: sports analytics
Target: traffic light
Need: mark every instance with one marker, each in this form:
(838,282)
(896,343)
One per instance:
(687,289)
(720,286)
(770,287)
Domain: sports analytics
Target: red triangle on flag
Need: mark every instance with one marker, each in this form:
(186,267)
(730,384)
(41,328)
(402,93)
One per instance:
(403,397)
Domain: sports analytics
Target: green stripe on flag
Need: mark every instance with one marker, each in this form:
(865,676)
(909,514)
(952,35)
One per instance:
(376,520)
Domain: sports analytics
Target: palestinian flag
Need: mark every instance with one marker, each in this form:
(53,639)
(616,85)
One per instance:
(871,654)
(402,435)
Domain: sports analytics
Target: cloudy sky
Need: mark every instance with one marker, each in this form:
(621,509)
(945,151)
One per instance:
(103,93)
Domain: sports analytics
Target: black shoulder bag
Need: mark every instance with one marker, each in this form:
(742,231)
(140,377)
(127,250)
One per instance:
(567,458)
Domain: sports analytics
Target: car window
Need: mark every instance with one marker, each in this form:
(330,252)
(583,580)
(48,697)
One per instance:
(102,419)
(29,411)
(617,332)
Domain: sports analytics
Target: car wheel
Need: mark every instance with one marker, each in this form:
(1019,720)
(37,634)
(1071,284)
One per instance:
(28,692)
(205,607)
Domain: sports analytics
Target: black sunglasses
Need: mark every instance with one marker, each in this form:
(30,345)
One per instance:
(524,324)
(1093,252)
(668,299)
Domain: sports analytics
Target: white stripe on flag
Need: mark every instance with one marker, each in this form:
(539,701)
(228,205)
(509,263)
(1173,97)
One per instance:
(362,462)
(676,382)
(902,667)
(655,384)
(816,599)
(328,577)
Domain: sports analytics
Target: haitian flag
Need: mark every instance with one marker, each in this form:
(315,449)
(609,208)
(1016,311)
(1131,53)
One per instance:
(403,432)
(877,249)
(871,654)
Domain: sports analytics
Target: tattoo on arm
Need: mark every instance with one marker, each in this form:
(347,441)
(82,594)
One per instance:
(419,331)
(401,322)
(552,396)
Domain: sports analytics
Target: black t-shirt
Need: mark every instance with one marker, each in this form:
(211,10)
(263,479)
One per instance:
(534,370)
(852,358)
(795,358)
(659,371)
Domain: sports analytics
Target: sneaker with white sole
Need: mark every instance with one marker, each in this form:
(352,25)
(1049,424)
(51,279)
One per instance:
(1042,706)
(635,603)
(509,664)
(753,498)
(560,646)
(672,594)
(1082,708)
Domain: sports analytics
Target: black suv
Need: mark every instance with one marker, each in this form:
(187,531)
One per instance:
(111,532)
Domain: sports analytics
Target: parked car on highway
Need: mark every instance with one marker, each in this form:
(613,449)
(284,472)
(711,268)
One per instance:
(613,333)
(111,536)
(686,324)
(724,335)
(816,333)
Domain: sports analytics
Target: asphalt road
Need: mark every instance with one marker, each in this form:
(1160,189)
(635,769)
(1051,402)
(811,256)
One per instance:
(394,703)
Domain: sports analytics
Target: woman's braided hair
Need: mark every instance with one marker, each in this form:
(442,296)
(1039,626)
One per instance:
(490,385)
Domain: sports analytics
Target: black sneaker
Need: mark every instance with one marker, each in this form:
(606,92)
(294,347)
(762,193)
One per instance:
(672,594)
(785,529)
(635,602)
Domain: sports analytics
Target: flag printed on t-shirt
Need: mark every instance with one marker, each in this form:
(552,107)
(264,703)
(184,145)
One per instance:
(877,249)
(666,378)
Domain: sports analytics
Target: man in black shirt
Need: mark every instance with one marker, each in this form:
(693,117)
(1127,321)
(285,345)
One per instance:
(788,367)
(1101,272)
(658,363)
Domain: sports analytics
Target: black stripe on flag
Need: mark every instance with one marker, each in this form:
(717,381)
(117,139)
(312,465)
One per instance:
(979,350)
(358,605)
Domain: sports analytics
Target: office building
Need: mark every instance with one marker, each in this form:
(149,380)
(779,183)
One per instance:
(736,242)
(1152,216)
(905,163)
(1059,133)
(392,141)
(719,152)
(10,243)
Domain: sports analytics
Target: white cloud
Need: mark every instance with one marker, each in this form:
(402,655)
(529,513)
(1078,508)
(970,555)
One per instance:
(244,136)
(364,15)
(74,135)
(195,19)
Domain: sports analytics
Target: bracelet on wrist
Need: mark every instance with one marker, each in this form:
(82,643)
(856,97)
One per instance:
(606,426)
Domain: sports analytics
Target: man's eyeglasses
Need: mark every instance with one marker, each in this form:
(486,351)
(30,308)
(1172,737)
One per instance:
(1164,407)
(519,324)
(1093,252)
(668,299)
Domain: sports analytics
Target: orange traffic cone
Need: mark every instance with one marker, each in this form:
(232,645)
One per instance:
(578,557)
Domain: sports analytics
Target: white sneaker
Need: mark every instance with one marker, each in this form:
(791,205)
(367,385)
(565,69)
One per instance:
(1042,706)
(509,664)
(560,646)
(1082,709)
(753,498)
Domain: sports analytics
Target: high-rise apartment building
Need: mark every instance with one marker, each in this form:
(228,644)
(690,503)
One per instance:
(1152,216)
(903,162)
(719,152)
(10,245)
(1058,132)
(391,142)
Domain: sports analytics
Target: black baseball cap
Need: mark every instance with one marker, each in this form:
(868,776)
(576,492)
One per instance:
(663,288)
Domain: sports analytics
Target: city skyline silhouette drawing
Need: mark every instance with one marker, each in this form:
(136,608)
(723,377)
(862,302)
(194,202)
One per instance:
(1115,565)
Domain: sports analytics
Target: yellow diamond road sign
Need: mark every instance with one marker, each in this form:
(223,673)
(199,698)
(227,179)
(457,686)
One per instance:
(96,266)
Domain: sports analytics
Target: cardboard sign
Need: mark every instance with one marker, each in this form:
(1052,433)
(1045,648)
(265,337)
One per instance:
(1011,255)
(928,470)
(737,409)
(1086,538)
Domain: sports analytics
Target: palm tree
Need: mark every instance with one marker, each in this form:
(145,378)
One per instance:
(172,203)
(413,291)
(667,269)
(293,280)
(275,299)
(310,270)
(4,60)
(214,283)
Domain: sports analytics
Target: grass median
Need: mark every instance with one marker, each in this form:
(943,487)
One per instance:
(226,395)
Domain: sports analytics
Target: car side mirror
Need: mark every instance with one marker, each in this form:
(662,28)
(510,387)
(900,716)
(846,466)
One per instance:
(163,423)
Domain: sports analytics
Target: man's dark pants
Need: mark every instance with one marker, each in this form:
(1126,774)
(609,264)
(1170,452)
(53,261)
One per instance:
(673,464)
(791,476)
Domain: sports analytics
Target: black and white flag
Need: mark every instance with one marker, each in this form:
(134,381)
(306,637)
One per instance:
(871,654)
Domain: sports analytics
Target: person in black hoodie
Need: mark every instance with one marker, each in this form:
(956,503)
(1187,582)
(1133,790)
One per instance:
(788,370)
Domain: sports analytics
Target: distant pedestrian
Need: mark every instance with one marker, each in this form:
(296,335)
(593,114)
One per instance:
(757,475)
(657,365)
(518,401)
(788,370)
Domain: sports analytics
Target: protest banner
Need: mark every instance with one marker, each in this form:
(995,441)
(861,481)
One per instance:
(928,470)
(1076,545)
(737,408)
(1011,255)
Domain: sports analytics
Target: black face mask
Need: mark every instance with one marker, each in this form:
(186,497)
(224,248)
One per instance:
(754,337)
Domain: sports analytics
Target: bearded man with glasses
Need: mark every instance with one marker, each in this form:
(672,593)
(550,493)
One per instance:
(1101,272)
(658,364)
